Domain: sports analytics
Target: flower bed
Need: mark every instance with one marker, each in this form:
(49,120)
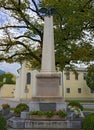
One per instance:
(45,118)
(5,106)
(48,115)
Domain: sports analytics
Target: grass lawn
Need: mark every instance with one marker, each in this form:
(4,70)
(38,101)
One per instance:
(88,101)
(88,109)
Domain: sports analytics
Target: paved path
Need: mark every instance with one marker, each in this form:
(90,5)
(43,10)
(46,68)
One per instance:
(20,129)
(11,101)
(48,129)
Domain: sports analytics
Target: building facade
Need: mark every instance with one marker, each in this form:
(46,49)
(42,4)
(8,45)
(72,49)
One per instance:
(25,83)
(7,91)
(73,85)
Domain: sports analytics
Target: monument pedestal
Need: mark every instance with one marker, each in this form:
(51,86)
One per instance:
(46,106)
(48,99)
(48,84)
(48,93)
(48,87)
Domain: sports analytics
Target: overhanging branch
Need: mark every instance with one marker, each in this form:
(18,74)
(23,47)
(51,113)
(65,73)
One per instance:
(27,37)
(13,26)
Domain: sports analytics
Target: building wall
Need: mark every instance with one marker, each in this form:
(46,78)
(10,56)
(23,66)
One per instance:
(71,84)
(7,91)
(74,85)
(21,84)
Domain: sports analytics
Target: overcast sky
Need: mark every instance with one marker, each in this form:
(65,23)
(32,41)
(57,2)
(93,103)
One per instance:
(5,19)
(10,67)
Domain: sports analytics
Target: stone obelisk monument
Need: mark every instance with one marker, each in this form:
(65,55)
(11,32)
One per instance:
(48,56)
(48,80)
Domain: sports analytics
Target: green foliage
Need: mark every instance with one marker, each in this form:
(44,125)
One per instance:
(19,108)
(75,104)
(90,77)
(1,84)
(73,27)
(5,106)
(3,122)
(81,101)
(49,113)
(40,113)
(17,111)
(9,79)
(61,113)
(88,122)
(71,20)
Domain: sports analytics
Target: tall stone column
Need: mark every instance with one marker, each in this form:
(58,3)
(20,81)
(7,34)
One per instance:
(48,56)
(48,80)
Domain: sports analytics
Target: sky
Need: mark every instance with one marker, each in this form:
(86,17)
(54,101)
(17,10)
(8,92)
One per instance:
(5,19)
(10,67)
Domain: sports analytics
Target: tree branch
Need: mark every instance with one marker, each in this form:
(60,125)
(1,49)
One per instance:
(27,48)
(37,10)
(13,26)
(27,37)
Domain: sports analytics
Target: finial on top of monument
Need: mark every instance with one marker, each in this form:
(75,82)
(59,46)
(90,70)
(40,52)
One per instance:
(48,11)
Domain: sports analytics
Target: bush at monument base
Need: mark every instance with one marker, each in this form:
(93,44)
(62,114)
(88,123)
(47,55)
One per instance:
(45,118)
(19,108)
(88,122)
(75,104)
(5,106)
(3,122)
(48,115)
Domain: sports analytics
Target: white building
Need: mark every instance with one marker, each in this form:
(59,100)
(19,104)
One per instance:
(25,83)
(73,86)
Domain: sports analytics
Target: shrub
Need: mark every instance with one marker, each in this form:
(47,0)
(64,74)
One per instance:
(36,113)
(23,106)
(17,111)
(3,123)
(61,113)
(1,84)
(75,104)
(88,122)
(19,108)
(5,106)
(49,113)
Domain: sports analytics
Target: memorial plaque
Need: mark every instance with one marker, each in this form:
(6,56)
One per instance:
(47,106)
(48,86)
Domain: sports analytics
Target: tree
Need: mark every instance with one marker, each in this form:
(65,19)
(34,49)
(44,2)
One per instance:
(22,33)
(7,78)
(90,77)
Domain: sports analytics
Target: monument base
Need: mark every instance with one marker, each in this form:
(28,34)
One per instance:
(48,99)
(48,84)
(46,106)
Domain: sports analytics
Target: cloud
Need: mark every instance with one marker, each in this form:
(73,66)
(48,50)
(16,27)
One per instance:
(10,67)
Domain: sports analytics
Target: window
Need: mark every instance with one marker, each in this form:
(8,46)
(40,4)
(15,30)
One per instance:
(28,78)
(67,76)
(68,90)
(79,90)
(76,76)
(92,91)
(84,76)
